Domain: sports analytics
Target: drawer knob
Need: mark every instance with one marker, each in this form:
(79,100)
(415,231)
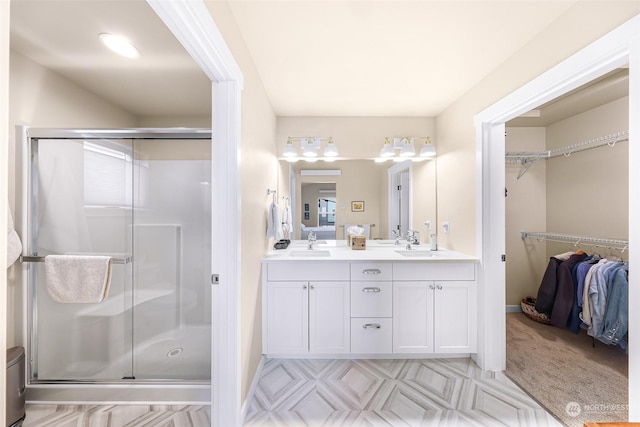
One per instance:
(439,287)
(371,271)
(374,289)
(371,326)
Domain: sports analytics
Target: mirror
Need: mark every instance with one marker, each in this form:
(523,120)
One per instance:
(361,196)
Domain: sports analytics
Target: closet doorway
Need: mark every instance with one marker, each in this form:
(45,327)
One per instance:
(567,178)
(614,50)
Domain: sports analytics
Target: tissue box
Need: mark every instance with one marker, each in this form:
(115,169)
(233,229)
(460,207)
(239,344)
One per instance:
(358,242)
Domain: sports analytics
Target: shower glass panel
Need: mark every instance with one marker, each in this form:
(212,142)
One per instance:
(145,202)
(172,249)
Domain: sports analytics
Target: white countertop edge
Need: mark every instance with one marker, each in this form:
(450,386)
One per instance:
(375,251)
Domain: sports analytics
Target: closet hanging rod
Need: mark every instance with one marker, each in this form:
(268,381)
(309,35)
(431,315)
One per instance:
(621,245)
(524,157)
(25,258)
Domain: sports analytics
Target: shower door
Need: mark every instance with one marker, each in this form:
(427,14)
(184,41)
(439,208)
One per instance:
(171,253)
(145,201)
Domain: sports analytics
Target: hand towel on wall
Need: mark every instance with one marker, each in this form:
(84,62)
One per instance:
(77,278)
(274,223)
(14,246)
(287,221)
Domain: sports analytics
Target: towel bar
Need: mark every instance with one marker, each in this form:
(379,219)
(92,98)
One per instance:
(125,260)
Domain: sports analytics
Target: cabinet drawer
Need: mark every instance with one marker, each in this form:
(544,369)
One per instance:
(371,335)
(369,271)
(371,299)
(307,270)
(434,271)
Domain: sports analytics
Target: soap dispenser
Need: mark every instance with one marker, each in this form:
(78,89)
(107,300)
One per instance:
(434,242)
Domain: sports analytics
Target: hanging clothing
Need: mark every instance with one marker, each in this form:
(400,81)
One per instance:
(566,292)
(548,287)
(598,290)
(616,320)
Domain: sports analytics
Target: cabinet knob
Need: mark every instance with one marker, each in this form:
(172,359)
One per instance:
(312,287)
(372,289)
(431,287)
(439,287)
(371,271)
(304,286)
(371,326)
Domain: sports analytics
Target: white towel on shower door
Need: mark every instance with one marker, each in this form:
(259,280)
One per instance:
(14,246)
(77,278)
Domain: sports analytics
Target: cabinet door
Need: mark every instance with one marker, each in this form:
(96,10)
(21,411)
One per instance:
(287,317)
(329,320)
(455,317)
(413,317)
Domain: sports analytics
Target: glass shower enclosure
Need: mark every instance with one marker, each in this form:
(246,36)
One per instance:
(142,197)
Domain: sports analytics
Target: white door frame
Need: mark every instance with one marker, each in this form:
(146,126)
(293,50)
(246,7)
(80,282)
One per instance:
(617,48)
(192,24)
(393,172)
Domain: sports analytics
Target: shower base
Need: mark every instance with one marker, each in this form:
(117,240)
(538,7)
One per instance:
(168,370)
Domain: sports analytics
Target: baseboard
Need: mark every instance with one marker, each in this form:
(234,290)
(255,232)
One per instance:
(252,390)
(514,309)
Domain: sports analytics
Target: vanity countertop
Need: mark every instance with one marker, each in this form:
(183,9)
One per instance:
(377,250)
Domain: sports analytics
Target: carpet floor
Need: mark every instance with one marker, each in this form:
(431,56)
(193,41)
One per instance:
(573,380)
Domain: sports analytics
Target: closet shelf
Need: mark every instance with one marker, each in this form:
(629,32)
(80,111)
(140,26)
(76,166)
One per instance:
(614,244)
(529,158)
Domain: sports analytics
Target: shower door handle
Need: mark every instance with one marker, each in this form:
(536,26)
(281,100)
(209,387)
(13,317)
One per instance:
(215,279)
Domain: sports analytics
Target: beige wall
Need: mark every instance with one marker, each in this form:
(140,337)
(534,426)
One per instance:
(588,192)
(4,145)
(355,137)
(526,210)
(259,172)
(582,24)
(173,121)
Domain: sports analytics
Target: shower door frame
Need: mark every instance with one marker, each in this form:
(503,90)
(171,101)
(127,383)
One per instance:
(26,137)
(192,24)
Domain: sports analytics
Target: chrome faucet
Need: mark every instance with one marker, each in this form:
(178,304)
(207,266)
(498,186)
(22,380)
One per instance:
(413,237)
(311,239)
(397,236)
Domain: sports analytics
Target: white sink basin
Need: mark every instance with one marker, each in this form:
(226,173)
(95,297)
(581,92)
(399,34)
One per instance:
(310,253)
(416,253)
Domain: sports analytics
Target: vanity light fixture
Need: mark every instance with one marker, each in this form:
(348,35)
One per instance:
(309,149)
(119,45)
(310,146)
(406,145)
(289,149)
(387,149)
(408,149)
(330,150)
(428,150)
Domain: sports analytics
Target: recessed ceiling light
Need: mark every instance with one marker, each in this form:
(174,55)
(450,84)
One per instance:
(119,45)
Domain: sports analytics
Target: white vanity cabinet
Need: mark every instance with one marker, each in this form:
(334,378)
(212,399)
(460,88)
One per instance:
(371,308)
(366,308)
(306,316)
(434,316)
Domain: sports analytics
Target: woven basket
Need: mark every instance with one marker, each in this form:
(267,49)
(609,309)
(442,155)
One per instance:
(528,305)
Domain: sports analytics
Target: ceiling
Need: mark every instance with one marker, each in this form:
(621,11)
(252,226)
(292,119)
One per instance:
(315,58)
(63,36)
